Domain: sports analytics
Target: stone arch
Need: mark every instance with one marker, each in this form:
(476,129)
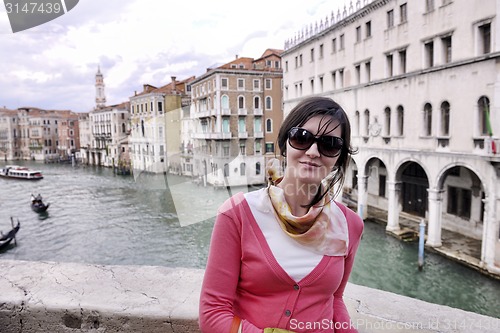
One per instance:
(415,183)
(377,174)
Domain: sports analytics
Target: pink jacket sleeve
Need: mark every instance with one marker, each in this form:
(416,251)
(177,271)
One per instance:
(221,278)
(340,313)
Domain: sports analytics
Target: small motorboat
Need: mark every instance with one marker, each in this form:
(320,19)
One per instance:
(20,172)
(37,204)
(6,239)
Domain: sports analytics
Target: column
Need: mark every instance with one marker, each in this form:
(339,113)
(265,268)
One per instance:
(490,231)
(435,216)
(393,207)
(362,196)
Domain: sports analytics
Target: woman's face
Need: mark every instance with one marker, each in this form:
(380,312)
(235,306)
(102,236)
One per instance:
(310,166)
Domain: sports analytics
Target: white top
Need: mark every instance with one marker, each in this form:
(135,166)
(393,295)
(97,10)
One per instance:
(295,259)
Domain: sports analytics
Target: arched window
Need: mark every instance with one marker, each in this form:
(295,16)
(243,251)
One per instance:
(123,128)
(257,168)
(226,170)
(269,125)
(427,119)
(269,103)
(401,118)
(241,102)
(256,102)
(242,169)
(367,123)
(387,121)
(224,101)
(356,123)
(483,105)
(445,118)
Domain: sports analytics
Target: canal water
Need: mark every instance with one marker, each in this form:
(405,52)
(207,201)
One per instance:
(100,218)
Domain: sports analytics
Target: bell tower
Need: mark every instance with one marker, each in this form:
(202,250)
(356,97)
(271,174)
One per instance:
(100,97)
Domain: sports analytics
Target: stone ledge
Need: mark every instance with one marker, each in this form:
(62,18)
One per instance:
(68,297)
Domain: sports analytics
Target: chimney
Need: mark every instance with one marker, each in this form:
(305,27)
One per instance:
(173,83)
(236,56)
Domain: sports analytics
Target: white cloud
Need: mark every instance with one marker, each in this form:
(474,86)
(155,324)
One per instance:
(139,41)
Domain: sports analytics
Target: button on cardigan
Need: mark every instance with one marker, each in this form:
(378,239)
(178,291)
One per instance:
(244,279)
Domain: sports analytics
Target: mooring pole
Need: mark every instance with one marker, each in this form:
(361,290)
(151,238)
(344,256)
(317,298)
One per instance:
(421,245)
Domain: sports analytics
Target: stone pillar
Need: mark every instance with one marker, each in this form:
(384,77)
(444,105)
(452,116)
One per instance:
(362,196)
(490,232)
(393,207)
(435,216)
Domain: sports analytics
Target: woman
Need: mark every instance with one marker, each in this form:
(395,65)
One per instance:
(280,257)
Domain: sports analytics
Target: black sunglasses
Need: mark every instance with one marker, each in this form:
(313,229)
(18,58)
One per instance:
(302,139)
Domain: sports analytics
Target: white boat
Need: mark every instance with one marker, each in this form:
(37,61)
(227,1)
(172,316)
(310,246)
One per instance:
(20,172)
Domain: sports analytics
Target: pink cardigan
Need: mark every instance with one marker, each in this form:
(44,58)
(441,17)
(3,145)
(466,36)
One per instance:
(243,278)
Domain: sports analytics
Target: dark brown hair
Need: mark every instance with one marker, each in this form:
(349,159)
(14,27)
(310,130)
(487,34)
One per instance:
(326,107)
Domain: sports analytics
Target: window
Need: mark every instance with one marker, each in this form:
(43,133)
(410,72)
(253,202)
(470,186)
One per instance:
(446,42)
(258,147)
(256,85)
(368,71)
(484,116)
(485,38)
(225,152)
(390,19)
(226,170)
(268,103)
(427,119)
(356,122)
(357,69)
(312,55)
(321,83)
(334,45)
(334,80)
(445,119)
(269,125)
(312,86)
(256,102)
(224,83)
(358,34)
(300,60)
(160,107)
(381,185)
(429,5)
(367,123)
(429,54)
(368,29)
(242,165)
(286,66)
(402,61)
(387,121)
(321,51)
(241,84)
(269,147)
(225,125)
(268,83)
(342,42)
(123,128)
(224,101)
(241,125)
(403,14)
(459,201)
(389,62)
(296,62)
(277,64)
(241,102)
(258,124)
(257,168)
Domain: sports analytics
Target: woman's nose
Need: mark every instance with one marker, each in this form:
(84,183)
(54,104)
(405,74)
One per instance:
(313,151)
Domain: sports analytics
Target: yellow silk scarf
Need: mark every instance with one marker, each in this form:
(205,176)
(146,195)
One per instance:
(323,229)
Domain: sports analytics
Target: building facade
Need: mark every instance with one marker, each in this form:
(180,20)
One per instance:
(237,110)
(420,82)
(156,138)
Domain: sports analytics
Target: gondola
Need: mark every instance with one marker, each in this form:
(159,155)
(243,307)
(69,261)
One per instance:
(7,238)
(37,204)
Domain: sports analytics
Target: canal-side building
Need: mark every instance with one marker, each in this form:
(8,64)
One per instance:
(237,111)
(155,138)
(420,82)
(8,134)
(110,127)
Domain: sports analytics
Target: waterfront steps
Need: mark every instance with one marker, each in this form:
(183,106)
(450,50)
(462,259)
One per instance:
(67,297)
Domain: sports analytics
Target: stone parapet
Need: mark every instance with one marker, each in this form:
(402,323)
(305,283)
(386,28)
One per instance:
(67,297)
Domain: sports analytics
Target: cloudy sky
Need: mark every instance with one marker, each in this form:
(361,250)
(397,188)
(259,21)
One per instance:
(53,66)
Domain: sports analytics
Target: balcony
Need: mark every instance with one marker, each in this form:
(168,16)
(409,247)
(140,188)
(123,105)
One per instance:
(201,135)
(225,112)
(242,112)
(202,114)
(221,135)
(242,135)
(487,146)
(258,135)
(257,112)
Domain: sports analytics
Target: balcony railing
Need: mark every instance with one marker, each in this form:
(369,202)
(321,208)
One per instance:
(242,112)
(243,135)
(257,112)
